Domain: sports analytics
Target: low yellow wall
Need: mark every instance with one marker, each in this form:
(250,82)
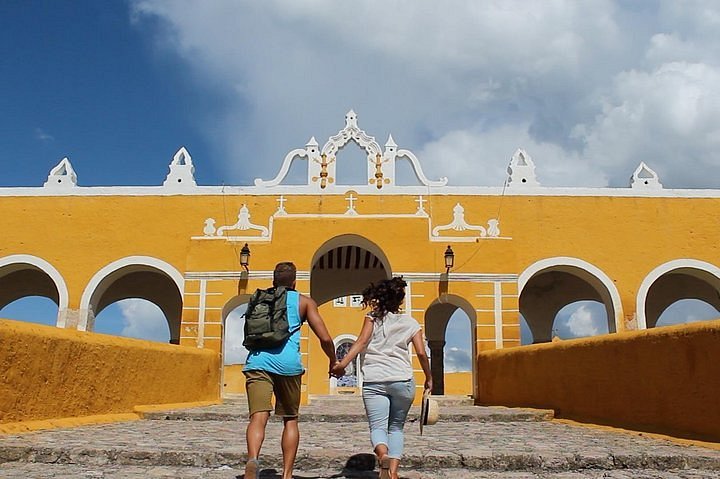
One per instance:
(49,373)
(664,380)
(233,379)
(459,383)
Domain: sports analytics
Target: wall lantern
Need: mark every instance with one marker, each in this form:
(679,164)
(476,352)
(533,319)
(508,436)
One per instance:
(245,257)
(449,259)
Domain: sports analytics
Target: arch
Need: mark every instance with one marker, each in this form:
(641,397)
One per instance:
(19,262)
(437,317)
(126,272)
(596,285)
(346,264)
(337,341)
(699,271)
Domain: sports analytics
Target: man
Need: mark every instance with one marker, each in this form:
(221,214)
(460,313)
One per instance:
(278,371)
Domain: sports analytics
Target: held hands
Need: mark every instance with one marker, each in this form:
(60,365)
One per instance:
(337,370)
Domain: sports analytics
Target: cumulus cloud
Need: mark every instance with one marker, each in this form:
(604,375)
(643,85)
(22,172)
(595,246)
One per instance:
(588,88)
(143,320)
(582,323)
(457,360)
(235,352)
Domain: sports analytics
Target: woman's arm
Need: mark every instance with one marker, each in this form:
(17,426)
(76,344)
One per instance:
(419,346)
(359,345)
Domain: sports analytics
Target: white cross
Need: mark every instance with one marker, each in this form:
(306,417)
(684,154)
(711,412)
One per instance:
(420,201)
(281,208)
(351,199)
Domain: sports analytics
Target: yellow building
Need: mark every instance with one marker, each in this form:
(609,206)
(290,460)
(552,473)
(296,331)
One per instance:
(519,248)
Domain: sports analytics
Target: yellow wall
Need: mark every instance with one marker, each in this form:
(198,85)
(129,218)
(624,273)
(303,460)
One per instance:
(459,383)
(233,379)
(48,373)
(664,380)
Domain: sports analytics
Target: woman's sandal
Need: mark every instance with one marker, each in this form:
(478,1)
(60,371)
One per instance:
(384,468)
(252,467)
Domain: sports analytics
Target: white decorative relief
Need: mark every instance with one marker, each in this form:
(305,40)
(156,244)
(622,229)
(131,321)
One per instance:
(645,177)
(281,206)
(243,224)
(322,163)
(62,176)
(182,171)
(521,170)
(459,224)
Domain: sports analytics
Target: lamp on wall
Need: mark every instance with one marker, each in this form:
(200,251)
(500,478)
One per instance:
(245,257)
(449,259)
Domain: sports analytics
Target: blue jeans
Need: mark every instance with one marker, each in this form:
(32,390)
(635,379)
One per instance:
(387,405)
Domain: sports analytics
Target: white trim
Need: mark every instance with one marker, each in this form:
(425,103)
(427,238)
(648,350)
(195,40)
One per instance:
(117,265)
(498,315)
(358,372)
(49,270)
(201,315)
(553,263)
(390,190)
(656,273)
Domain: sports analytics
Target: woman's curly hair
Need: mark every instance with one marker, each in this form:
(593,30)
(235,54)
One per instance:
(384,297)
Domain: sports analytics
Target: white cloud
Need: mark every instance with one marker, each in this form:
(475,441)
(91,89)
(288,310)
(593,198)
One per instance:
(588,88)
(143,320)
(42,135)
(457,360)
(582,323)
(235,352)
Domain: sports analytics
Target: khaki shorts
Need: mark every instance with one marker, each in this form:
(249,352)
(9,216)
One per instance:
(261,385)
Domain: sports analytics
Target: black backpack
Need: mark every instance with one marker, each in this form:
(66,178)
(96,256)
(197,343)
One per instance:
(266,319)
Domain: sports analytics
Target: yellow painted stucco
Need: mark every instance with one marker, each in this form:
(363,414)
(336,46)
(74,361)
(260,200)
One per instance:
(661,380)
(48,374)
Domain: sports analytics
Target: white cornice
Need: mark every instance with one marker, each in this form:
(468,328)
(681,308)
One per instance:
(302,190)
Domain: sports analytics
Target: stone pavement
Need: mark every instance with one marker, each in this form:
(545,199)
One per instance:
(494,443)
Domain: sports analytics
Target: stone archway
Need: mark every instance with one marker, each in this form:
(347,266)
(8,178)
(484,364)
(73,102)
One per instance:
(548,285)
(140,277)
(437,317)
(346,264)
(673,281)
(26,275)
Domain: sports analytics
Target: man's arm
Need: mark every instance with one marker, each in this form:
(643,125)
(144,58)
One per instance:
(309,310)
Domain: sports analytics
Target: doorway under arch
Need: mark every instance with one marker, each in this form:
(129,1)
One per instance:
(233,352)
(437,318)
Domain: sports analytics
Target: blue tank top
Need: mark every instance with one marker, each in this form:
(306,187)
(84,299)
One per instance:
(284,360)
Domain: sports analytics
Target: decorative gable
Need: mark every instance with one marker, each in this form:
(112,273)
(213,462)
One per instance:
(62,176)
(522,170)
(645,177)
(182,171)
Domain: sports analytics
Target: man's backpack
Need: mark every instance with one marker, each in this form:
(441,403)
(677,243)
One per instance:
(266,319)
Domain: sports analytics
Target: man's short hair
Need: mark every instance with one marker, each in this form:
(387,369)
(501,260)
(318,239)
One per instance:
(284,274)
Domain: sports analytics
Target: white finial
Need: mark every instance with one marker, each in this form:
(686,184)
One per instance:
(182,171)
(521,170)
(390,142)
(62,176)
(645,177)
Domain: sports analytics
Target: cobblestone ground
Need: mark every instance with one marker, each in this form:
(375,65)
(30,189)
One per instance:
(201,446)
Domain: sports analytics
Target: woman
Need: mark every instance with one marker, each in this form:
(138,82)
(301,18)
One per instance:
(388,384)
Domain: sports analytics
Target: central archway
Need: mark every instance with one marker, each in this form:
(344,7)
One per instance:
(345,265)
(341,269)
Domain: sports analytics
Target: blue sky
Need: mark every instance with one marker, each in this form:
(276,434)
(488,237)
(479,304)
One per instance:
(587,88)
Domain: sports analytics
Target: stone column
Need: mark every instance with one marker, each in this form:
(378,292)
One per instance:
(437,365)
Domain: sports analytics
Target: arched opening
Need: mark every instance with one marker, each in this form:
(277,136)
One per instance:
(580,319)
(526,336)
(344,265)
(686,311)
(142,278)
(549,286)
(133,318)
(670,284)
(340,270)
(27,286)
(234,353)
(450,324)
(351,382)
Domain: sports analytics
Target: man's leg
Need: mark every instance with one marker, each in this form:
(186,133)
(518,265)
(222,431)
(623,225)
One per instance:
(290,443)
(259,388)
(255,433)
(287,405)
